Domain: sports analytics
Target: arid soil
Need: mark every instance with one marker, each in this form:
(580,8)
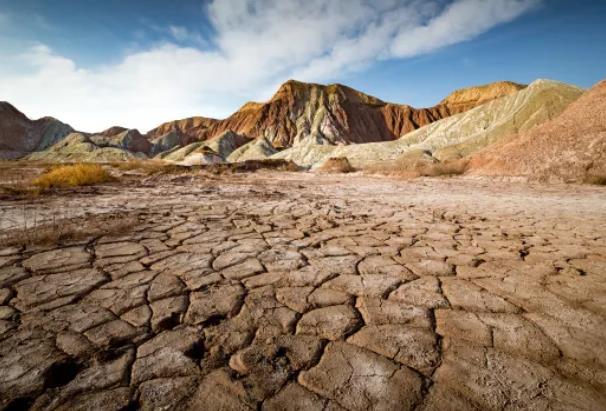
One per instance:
(279,291)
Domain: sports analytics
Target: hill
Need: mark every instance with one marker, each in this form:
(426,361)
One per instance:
(453,137)
(19,135)
(570,147)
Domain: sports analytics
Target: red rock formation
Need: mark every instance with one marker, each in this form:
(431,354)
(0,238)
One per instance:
(336,113)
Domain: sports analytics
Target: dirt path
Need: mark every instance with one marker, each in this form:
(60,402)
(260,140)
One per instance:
(277,291)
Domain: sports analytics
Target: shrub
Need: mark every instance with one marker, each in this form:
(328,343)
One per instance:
(75,175)
(599,180)
(336,165)
(148,167)
(63,228)
(446,168)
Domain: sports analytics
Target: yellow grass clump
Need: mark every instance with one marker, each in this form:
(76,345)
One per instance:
(73,176)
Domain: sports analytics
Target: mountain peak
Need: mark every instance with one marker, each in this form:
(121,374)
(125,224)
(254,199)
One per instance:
(299,89)
(8,109)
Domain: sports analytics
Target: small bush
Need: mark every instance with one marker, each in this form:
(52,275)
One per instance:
(336,165)
(598,180)
(145,166)
(446,168)
(68,229)
(250,166)
(75,175)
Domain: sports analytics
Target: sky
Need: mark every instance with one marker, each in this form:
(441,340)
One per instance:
(138,63)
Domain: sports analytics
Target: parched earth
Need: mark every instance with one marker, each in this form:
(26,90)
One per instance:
(294,291)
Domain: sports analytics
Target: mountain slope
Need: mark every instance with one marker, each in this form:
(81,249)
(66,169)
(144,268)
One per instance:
(82,147)
(180,133)
(456,136)
(20,135)
(222,146)
(571,147)
(467,98)
(335,114)
(298,112)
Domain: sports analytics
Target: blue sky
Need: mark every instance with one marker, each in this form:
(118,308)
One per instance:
(137,63)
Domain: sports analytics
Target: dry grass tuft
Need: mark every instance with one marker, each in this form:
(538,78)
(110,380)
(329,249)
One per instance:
(250,166)
(412,168)
(595,179)
(336,165)
(68,229)
(446,168)
(147,167)
(75,175)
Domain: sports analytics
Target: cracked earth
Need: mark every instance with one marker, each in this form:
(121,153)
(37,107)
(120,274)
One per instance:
(293,291)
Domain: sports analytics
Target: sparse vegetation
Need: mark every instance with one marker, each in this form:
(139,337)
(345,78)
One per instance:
(63,228)
(148,167)
(251,166)
(595,179)
(74,175)
(410,168)
(336,165)
(446,168)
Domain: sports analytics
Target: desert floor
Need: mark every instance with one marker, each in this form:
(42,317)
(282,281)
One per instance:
(315,292)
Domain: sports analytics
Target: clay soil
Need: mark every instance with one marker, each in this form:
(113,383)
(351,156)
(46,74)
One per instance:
(279,291)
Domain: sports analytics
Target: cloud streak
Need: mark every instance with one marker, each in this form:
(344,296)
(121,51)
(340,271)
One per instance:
(257,45)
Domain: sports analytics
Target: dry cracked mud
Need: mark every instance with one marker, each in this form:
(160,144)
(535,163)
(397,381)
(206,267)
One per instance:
(292,291)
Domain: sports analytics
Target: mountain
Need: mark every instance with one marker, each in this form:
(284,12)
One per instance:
(180,133)
(468,132)
(202,152)
(570,147)
(334,114)
(452,137)
(256,149)
(87,148)
(298,112)
(20,135)
(113,144)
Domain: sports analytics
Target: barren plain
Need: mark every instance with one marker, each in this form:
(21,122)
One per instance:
(278,291)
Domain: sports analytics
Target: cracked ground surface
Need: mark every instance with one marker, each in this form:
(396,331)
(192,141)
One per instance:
(294,291)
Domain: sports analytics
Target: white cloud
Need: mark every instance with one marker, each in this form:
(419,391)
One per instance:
(258,44)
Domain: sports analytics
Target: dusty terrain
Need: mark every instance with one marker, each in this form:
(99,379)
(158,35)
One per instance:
(294,291)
